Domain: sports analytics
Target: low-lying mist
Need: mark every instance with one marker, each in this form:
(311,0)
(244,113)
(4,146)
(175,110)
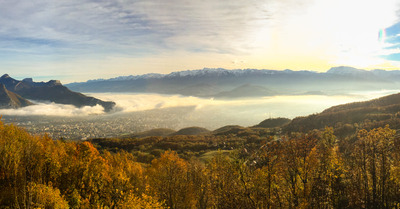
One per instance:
(256,108)
(140,112)
(274,106)
(52,109)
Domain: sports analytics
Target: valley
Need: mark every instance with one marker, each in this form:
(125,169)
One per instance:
(142,112)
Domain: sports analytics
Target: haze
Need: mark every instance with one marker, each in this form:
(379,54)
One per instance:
(247,111)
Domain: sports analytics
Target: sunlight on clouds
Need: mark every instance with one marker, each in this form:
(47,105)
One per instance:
(341,32)
(354,26)
(102,39)
(279,106)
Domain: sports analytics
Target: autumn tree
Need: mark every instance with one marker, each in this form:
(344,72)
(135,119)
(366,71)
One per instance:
(168,179)
(373,159)
(267,178)
(328,189)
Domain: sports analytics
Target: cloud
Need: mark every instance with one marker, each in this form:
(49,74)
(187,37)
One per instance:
(71,37)
(227,111)
(52,109)
(130,26)
(249,108)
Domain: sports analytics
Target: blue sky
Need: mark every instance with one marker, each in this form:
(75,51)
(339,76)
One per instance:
(393,41)
(75,40)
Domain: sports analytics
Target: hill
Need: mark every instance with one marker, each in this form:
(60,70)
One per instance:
(152,132)
(273,123)
(227,129)
(9,99)
(52,91)
(347,118)
(246,90)
(191,131)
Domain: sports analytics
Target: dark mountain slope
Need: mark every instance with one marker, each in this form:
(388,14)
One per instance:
(52,91)
(393,99)
(9,99)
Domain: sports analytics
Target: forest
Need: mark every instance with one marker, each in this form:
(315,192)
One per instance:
(315,169)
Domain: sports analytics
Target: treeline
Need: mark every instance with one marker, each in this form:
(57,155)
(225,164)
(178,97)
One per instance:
(301,170)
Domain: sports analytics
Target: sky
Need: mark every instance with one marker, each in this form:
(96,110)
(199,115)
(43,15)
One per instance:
(71,40)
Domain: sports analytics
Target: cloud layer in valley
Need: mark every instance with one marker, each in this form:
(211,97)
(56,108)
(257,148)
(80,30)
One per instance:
(52,109)
(240,111)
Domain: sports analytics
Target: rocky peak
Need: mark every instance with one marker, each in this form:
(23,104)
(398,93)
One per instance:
(28,80)
(54,83)
(5,76)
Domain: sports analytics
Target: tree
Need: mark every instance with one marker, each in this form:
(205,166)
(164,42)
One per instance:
(45,196)
(168,180)
(373,159)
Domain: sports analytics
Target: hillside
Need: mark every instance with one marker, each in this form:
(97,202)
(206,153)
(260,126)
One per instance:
(273,123)
(9,99)
(152,132)
(246,90)
(347,118)
(191,131)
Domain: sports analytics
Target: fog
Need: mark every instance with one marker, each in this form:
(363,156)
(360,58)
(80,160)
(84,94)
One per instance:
(253,109)
(275,106)
(140,112)
(52,109)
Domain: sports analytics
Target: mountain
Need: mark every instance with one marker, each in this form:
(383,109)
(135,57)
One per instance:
(246,90)
(344,70)
(273,123)
(152,132)
(9,99)
(191,131)
(226,129)
(52,91)
(349,117)
(210,82)
(201,90)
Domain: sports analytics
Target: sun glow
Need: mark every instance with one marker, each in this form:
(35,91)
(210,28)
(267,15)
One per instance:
(329,33)
(164,36)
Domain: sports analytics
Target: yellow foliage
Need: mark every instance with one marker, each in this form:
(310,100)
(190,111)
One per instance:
(45,196)
(131,201)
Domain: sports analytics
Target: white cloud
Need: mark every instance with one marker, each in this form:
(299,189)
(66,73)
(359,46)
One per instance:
(240,111)
(72,37)
(250,108)
(52,109)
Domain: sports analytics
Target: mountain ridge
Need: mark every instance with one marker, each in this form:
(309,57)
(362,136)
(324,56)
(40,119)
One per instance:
(337,80)
(347,118)
(52,91)
(10,99)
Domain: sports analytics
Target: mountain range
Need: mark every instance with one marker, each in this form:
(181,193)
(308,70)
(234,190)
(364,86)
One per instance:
(14,94)
(223,83)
